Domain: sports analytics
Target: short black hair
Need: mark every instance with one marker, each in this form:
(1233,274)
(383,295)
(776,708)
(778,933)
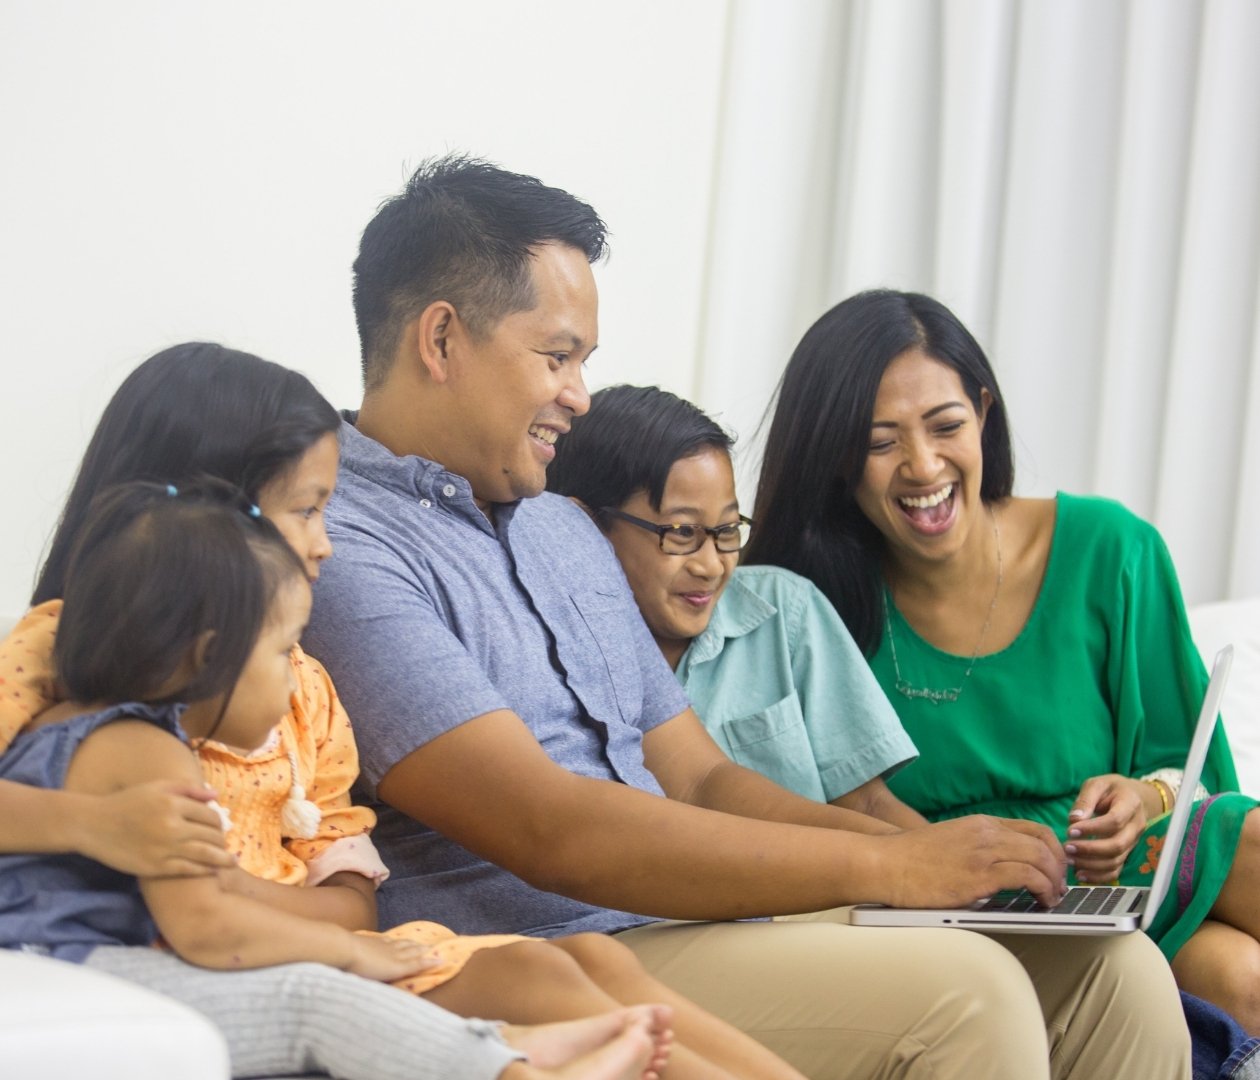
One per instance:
(462,230)
(807,515)
(152,572)
(191,410)
(628,442)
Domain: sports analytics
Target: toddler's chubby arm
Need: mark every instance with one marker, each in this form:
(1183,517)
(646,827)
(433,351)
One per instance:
(347,899)
(203,922)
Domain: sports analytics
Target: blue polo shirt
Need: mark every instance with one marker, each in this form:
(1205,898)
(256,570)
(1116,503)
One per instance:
(429,614)
(783,689)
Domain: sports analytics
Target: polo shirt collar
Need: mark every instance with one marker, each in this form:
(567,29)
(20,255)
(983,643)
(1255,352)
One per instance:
(739,611)
(409,475)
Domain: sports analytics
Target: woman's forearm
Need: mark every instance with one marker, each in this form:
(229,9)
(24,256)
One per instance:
(154,829)
(39,820)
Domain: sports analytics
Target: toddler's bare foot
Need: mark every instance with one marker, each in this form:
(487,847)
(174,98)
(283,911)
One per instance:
(549,1046)
(629,1056)
(661,1017)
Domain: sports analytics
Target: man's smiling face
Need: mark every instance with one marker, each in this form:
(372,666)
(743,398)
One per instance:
(518,388)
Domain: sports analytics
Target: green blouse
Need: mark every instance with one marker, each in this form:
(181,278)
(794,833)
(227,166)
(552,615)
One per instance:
(1103,678)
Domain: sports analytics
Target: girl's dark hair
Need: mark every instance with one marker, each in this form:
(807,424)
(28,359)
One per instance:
(151,573)
(806,513)
(627,443)
(193,409)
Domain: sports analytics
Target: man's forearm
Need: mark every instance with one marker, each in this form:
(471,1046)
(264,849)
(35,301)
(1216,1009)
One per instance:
(661,857)
(605,843)
(488,786)
(674,860)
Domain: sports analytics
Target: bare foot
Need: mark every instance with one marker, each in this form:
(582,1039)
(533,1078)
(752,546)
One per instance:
(549,1046)
(630,1056)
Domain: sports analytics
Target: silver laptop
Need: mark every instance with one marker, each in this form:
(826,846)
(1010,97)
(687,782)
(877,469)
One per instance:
(1095,909)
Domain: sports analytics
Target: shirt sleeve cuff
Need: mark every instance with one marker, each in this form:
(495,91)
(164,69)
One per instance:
(881,758)
(356,854)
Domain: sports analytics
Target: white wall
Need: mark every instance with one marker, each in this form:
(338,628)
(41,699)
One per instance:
(185,170)
(1080,180)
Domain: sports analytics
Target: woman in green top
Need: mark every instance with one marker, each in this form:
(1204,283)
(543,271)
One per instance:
(1036,650)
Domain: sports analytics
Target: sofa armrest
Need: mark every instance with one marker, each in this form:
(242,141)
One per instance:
(1236,622)
(63,1020)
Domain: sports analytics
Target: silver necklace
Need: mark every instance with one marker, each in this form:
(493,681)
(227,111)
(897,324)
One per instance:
(928,693)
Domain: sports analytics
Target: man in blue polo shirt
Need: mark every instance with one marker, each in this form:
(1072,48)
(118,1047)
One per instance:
(534,763)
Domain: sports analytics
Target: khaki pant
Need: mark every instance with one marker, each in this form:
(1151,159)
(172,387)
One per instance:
(851,1002)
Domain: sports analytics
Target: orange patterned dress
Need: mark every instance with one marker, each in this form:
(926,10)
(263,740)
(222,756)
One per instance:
(312,746)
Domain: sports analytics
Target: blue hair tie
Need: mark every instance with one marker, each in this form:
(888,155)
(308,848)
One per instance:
(172,490)
(253,511)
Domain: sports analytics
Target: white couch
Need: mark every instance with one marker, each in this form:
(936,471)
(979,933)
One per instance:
(1236,621)
(60,1021)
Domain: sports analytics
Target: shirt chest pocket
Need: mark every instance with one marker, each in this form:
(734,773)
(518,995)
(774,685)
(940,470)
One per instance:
(774,742)
(607,678)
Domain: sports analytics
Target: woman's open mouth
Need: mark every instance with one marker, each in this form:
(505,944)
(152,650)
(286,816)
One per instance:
(930,514)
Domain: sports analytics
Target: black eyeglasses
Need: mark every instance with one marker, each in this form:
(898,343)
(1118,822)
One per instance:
(688,539)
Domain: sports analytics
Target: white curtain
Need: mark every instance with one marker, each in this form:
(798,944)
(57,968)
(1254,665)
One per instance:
(1078,179)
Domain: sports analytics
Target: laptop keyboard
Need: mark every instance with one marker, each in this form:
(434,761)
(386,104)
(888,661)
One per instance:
(1097,900)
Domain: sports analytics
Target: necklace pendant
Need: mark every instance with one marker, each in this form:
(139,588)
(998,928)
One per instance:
(927,694)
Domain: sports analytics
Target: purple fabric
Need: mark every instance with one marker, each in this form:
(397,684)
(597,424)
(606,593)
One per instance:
(1185,871)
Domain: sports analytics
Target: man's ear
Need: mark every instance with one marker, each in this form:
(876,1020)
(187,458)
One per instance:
(433,331)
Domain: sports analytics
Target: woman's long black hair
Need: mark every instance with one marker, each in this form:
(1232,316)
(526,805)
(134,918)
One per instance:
(191,410)
(807,517)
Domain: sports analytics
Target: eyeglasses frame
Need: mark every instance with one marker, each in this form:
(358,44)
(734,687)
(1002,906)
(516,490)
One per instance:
(707,532)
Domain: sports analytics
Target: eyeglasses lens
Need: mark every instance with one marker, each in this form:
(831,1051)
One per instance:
(688,539)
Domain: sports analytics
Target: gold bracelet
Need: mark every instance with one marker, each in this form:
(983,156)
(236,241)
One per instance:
(1162,788)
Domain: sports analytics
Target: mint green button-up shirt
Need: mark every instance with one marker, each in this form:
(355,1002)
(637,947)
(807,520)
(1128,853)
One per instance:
(781,686)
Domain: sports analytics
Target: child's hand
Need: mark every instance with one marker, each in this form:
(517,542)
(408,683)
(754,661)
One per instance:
(387,959)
